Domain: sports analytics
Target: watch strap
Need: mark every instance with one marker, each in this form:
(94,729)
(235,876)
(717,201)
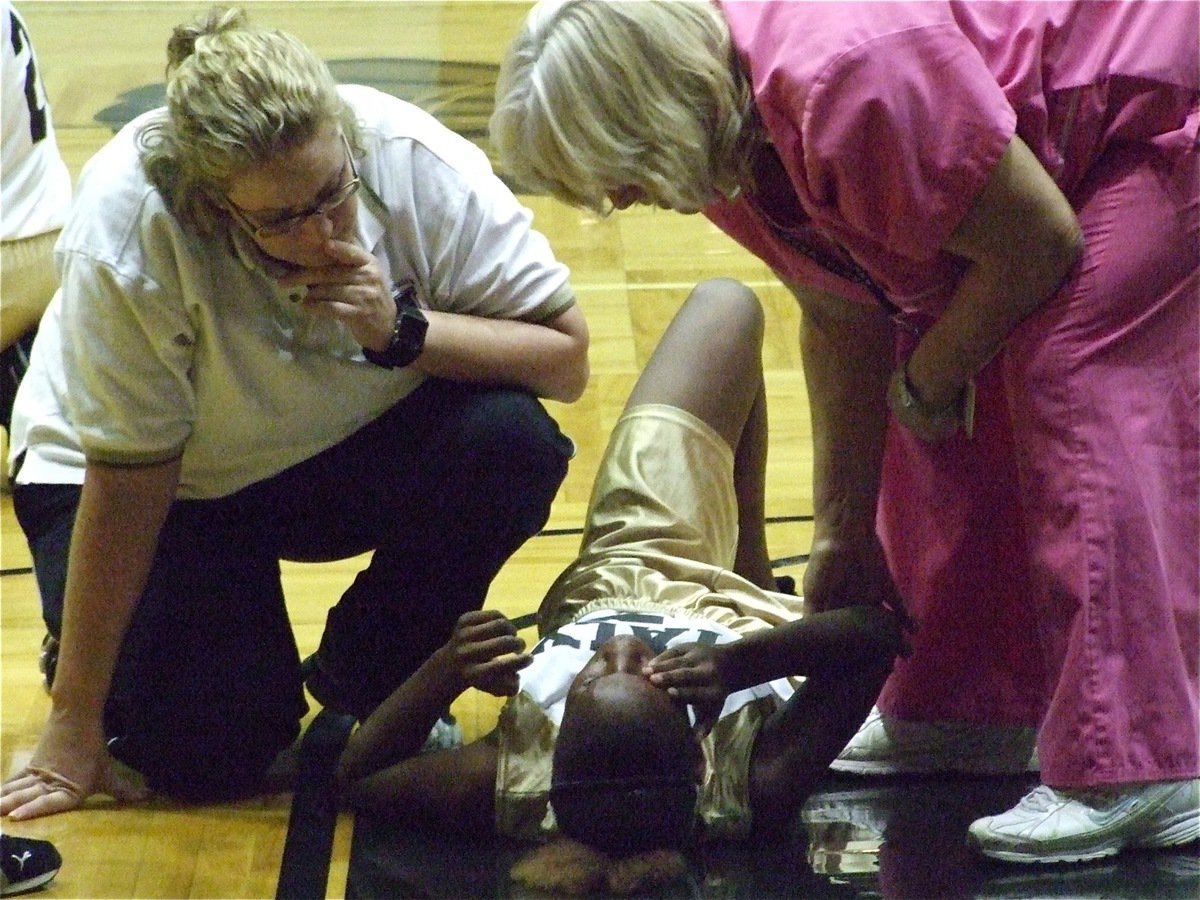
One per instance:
(408,332)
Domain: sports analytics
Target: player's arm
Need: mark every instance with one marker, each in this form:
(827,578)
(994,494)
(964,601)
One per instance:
(844,655)
(382,767)
(453,790)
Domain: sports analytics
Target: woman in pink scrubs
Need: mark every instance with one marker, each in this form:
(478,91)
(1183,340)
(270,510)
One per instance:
(989,213)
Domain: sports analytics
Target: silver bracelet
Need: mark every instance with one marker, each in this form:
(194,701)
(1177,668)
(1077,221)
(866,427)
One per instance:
(961,409)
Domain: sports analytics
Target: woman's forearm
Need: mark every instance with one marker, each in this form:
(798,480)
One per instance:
(549,359)
(121,513)
(1020,239)
(847,353)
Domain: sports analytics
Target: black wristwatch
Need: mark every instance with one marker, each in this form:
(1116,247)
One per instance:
(408,334)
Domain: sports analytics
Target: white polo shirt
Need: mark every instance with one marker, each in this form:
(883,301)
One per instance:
(161,342)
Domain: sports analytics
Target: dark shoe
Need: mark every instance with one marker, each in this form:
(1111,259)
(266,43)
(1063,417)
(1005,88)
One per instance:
(48,660)
(26,864)
(785,584)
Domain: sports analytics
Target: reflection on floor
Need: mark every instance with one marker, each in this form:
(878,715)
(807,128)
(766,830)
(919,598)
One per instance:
(856,838)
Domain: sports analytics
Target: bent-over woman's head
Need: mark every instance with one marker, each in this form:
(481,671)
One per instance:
(600,96)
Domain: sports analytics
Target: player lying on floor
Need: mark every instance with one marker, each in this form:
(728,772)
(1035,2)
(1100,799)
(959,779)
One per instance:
(661,703)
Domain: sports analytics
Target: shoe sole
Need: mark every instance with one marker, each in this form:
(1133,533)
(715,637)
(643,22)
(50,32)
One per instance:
(29,884)
(1048,858)
(856,767)
(1181,829)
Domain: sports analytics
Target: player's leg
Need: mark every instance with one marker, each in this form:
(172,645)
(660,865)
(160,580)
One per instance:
(709,363)
(709,360)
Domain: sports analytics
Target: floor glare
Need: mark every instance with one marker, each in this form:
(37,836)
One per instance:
(855,838)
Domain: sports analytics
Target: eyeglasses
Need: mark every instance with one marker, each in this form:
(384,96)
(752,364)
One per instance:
(291,224)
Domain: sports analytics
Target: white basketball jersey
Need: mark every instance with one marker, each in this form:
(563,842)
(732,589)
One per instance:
(35,185)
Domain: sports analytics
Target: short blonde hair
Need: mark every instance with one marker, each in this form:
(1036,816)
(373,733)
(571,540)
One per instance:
(596,95)
(237,95)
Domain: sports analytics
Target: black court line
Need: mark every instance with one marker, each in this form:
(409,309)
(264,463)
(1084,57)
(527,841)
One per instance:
(771,520)
(526,621)
(560,532)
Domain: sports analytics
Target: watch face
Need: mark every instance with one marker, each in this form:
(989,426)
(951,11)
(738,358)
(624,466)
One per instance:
(412,326)
(408,340)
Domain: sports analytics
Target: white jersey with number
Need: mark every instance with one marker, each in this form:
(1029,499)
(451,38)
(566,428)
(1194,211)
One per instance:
(35,186)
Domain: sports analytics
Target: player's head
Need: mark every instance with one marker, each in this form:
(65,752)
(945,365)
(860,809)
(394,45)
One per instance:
(626,763)
(238,96)
(625,782)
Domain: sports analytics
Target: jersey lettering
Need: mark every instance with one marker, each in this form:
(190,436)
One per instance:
(35,94)
(557,639)
(648,627)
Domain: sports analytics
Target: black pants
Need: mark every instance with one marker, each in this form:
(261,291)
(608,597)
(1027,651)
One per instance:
(444,488)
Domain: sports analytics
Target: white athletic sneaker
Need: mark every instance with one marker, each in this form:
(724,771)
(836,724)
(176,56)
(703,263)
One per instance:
(888,746)
(1052,826)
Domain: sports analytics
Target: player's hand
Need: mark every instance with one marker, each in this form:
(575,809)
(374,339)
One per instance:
(692,674)
(488,653)
(842,572)
(352,289)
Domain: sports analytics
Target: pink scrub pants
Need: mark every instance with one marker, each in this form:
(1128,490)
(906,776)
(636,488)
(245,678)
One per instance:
(1053,560)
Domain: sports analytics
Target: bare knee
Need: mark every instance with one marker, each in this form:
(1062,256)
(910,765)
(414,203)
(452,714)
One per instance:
(734,308)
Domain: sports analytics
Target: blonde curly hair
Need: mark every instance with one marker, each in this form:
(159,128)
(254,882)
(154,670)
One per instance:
(237,95)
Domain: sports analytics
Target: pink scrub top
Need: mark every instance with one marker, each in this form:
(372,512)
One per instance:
(890,116)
